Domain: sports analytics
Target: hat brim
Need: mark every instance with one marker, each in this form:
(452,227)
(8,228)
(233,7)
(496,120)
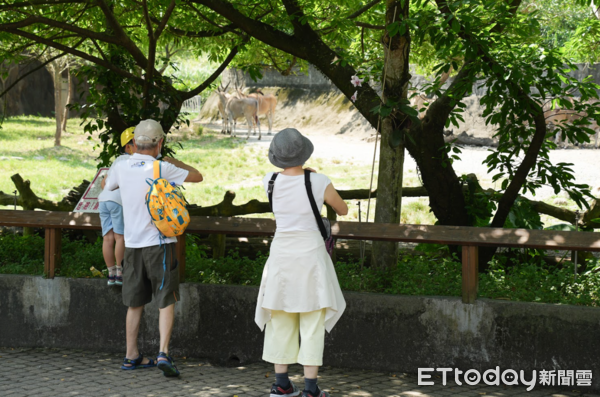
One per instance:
(299,159)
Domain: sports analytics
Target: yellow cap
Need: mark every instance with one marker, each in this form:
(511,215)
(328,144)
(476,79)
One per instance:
(127,136)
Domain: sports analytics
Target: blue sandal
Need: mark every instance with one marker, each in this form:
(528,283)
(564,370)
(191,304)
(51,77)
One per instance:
(129,365)
(167,366)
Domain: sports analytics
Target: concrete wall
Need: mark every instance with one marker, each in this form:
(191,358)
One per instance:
(379,332)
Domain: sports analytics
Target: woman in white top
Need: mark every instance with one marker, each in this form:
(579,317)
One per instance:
(299,293)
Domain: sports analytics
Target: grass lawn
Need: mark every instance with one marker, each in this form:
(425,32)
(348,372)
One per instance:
(227,164)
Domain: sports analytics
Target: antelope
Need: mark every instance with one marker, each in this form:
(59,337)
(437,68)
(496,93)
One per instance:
(562,116)
(266,104)
(223,98)
(243,107)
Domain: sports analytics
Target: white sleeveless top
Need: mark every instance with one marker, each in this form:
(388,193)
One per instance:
(290,201)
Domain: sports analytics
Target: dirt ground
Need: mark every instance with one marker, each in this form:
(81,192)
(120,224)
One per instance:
(358,148)
(341,133)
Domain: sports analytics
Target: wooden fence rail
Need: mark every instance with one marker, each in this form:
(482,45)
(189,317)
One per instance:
(470,238)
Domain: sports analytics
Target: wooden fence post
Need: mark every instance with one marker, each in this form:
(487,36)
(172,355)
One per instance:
(52,251)
(470,273)
(219,241)
(180,254)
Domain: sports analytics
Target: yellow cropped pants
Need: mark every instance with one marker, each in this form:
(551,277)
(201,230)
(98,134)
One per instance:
(295,338)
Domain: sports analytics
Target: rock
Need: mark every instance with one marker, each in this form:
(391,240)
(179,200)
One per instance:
(560,201)
(39,158)
(465,139)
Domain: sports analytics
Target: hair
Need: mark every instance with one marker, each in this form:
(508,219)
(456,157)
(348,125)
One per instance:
(125,146)
(146,146)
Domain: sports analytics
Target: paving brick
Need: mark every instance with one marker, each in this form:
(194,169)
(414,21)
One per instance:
(81,373)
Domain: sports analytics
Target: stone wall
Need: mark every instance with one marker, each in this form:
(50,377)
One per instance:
(378,332)
(33,95)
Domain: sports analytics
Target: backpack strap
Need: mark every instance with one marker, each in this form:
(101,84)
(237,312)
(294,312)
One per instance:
(157,169)
(270,189)
(313,204)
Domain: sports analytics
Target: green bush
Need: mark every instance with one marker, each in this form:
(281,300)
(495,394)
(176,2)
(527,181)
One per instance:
(433,272)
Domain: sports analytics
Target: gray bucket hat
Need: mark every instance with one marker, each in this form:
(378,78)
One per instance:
(289,148)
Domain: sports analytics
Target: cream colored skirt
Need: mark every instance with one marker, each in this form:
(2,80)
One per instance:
(299,277)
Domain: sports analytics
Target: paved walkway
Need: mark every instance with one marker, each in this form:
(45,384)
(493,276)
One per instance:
(52,372)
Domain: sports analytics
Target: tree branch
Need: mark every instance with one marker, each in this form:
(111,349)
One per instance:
(164,20)
(22,4)
(77,53)
(364,9)
(125,41)
(369,26)
(213,77)
(31,20)
(199,34)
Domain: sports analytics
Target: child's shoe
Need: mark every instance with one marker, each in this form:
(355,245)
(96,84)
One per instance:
(111,280)
(119,276)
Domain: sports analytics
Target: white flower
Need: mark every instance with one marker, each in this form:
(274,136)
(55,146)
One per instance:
(353,97)
(356,81)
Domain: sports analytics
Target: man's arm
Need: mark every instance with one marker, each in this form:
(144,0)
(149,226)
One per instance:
(193,174)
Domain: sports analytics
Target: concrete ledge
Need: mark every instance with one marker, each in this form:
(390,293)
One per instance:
(379,332)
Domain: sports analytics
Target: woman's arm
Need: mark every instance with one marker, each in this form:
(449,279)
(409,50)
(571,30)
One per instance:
(333,198)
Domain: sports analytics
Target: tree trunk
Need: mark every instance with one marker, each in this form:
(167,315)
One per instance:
(65,114)
(391,155)
(58,109)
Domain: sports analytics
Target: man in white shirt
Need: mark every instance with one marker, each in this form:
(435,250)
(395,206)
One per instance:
(145,250)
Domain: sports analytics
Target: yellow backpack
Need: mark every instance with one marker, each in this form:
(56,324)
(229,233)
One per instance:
(166,205)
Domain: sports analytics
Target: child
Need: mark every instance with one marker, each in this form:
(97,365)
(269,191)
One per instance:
(111,217)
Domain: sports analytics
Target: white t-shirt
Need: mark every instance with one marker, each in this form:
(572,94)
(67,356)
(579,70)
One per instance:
(290,201)
(113,195)
(130,176)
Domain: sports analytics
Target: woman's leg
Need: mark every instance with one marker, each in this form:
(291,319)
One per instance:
(312,344)
(281,348)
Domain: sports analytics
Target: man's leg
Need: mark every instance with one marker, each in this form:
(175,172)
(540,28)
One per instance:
(135,295)
(165,327)
(132,328)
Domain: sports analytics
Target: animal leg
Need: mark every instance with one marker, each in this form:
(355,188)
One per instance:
(259,133)
(270,120)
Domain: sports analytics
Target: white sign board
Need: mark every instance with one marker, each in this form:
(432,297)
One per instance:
(89,200)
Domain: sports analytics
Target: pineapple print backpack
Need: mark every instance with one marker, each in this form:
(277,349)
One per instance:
(166,205)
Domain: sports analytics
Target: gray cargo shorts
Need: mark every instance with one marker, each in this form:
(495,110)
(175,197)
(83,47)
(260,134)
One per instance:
(143,275)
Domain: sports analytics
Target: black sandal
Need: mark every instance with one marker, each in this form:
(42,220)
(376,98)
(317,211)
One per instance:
(129,365)
(167,366)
